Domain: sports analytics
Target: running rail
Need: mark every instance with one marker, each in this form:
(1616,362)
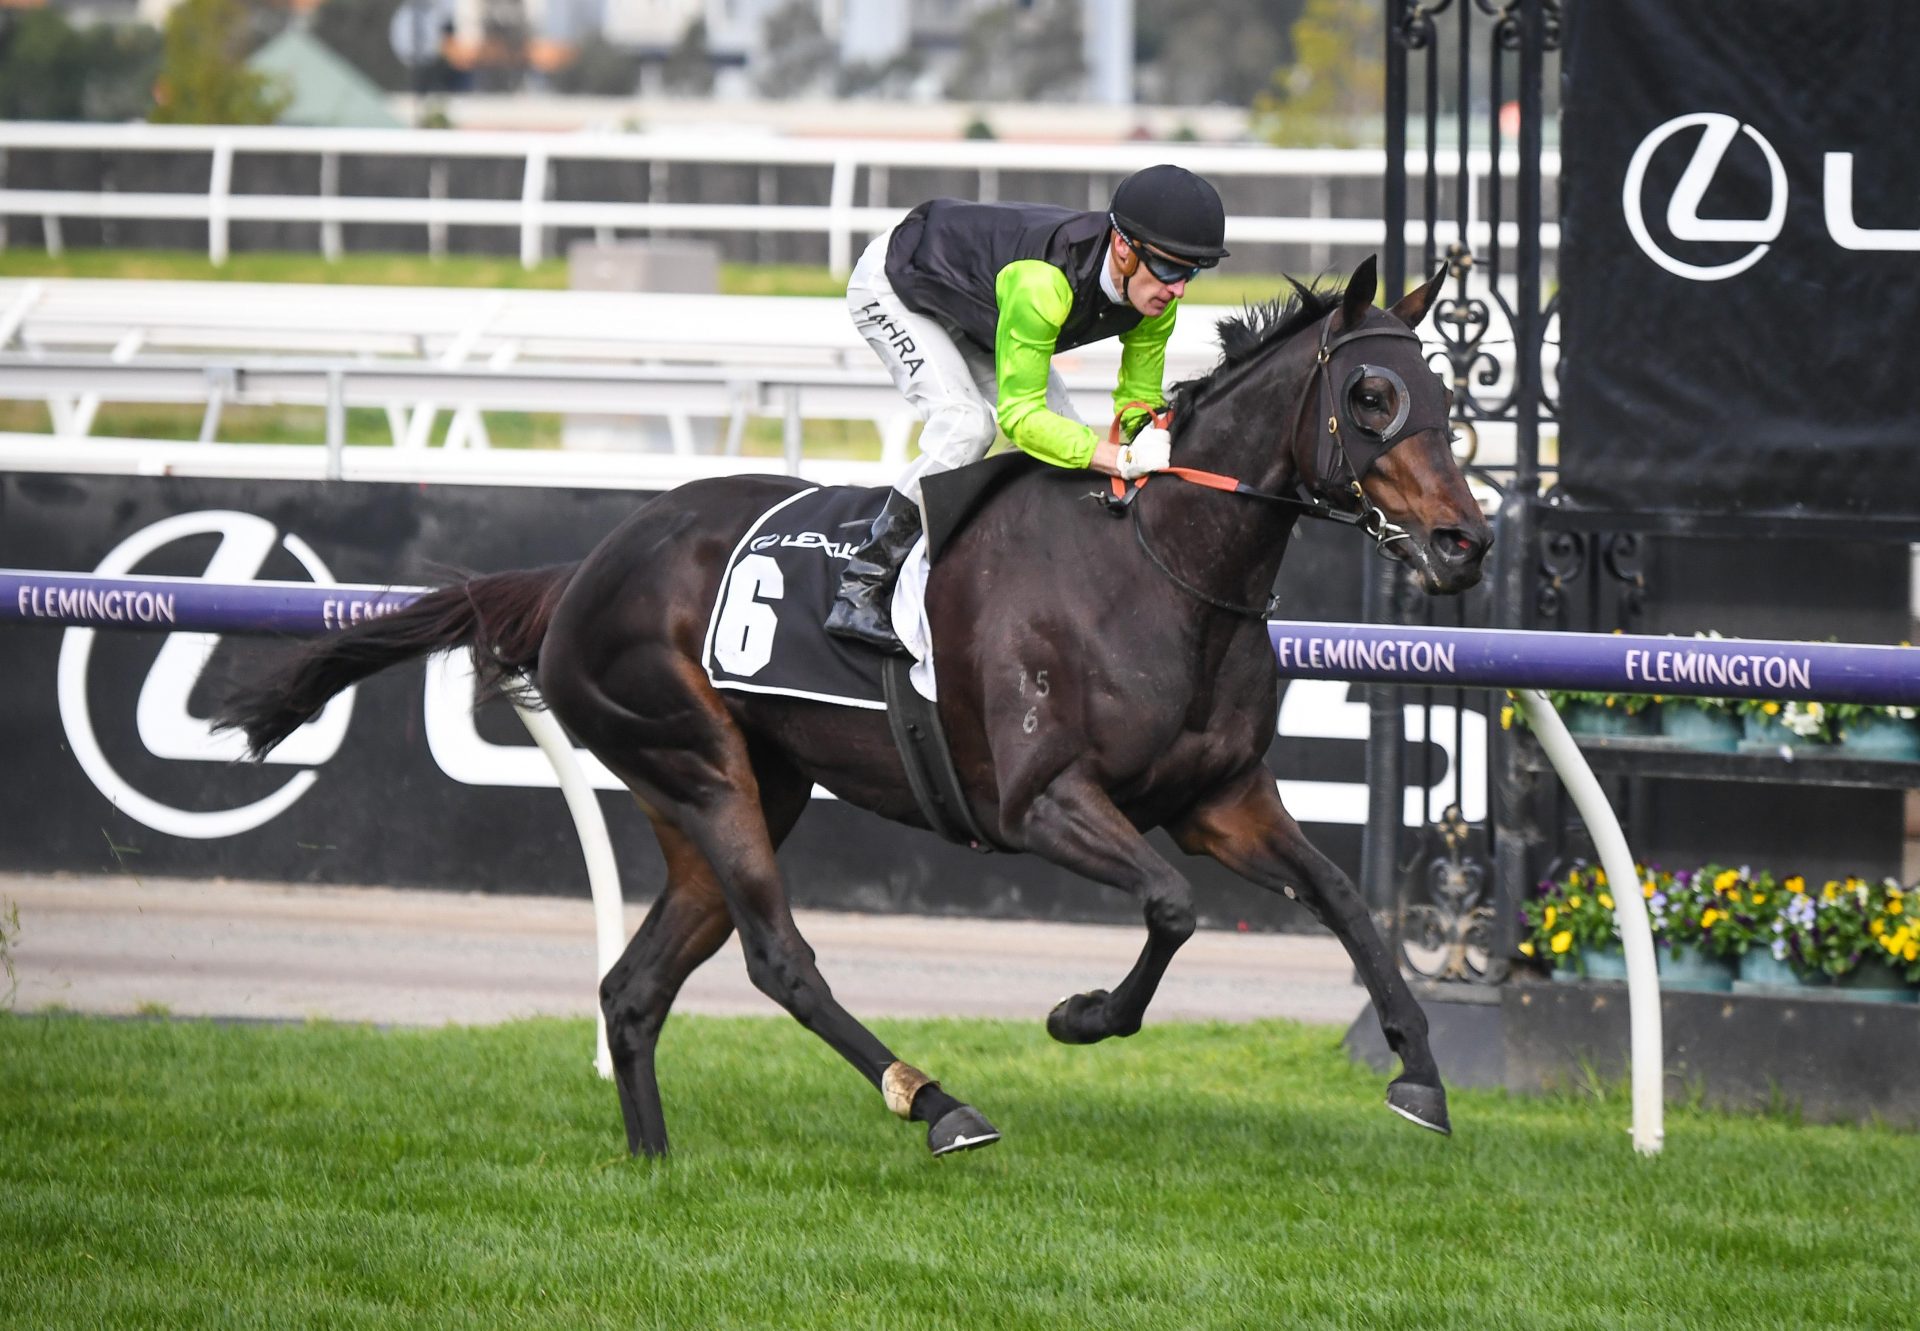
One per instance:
(1526,662)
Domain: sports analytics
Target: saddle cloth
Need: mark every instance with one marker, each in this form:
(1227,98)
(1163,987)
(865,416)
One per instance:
(765,634)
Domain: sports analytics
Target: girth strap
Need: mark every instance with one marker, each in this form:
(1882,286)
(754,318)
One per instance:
(915,722)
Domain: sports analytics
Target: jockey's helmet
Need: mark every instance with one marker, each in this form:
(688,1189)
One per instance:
(1170,207)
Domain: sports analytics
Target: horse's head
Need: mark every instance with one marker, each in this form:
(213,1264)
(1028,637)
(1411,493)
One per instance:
(1371,434)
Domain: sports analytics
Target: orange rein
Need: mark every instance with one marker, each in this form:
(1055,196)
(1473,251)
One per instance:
(1162,417)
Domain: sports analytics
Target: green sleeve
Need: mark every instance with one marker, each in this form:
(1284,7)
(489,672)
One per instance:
(1143,364)
(1034,300)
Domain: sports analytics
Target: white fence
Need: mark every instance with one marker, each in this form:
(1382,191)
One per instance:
(841,219)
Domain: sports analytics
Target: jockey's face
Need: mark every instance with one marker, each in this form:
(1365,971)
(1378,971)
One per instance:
(1146,291)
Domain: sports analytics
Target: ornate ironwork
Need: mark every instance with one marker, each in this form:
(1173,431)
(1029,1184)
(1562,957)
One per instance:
(1448,937)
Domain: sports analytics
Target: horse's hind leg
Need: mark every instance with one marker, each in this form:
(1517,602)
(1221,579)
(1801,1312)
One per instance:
(687,925)
(691,764)
(1249,831)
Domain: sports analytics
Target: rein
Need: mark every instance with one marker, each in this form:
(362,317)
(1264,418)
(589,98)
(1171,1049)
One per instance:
(1368,517)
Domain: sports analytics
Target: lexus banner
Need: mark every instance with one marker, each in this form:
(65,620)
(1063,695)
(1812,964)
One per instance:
(1740,261)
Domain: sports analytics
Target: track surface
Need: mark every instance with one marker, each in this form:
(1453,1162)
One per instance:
(235,949)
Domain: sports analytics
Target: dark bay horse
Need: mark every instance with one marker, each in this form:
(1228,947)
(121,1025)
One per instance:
(1097,678)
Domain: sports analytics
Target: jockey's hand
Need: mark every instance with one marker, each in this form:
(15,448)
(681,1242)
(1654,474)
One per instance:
(1151,450)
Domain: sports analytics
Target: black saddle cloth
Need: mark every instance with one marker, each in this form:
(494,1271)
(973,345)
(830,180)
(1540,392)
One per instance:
(766,631)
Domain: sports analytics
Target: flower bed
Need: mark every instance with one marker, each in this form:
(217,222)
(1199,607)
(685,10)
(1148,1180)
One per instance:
(1848,933)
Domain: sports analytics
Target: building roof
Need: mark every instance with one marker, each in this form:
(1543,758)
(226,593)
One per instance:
(326,89)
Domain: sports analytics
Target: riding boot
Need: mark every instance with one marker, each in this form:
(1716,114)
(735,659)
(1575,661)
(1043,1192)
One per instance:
(862,608)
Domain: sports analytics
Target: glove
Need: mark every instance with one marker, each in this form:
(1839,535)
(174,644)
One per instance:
(1151,450)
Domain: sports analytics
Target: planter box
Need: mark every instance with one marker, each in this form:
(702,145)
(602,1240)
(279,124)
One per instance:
(1589,718)
(1689,727)
(1886,737)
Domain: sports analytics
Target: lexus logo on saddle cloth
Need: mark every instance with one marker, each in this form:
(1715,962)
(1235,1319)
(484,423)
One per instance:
(1717,141)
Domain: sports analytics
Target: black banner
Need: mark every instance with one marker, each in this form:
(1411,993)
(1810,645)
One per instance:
(1740,259)
(109,766)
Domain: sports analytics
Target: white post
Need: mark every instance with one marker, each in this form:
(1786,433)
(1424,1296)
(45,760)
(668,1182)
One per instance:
(218,185)
(1629,910)
(533,192)
(603,876)
(840,223)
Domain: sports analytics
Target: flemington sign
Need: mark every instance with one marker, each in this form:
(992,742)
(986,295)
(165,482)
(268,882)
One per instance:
(1515,659)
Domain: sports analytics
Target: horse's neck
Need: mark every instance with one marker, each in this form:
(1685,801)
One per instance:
(1246,433)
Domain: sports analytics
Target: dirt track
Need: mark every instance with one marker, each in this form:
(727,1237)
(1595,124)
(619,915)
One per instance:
(232,949)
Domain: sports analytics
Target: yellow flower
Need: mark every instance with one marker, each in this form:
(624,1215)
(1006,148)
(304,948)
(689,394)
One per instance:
(1894,906)
(1606,901)
(1831,892)
(1526,949)
(1759,897)
(1877,928)
(1725,879)
(1796,885)
(1506,718)
(1770,708)
(1599,877)
(1911,952)
(1574,903)
(1553,914)
(1561,941)
(1708,917)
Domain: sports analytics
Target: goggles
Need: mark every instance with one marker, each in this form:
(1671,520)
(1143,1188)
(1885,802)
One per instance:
(1165,268)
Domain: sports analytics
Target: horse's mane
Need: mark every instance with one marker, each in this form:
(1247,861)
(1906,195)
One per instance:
(1247,334)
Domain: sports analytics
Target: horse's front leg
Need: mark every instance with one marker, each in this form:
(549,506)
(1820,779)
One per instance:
(1076,826)
(1247,829)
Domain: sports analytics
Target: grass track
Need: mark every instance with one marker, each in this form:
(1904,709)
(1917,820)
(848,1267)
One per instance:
(180,1174)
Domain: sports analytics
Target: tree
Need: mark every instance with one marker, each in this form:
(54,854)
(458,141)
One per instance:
(204,79)
(1211,52)
(688,70)
(1022,52)
(1337,79)
(598,69)
(801,58)
(50,70)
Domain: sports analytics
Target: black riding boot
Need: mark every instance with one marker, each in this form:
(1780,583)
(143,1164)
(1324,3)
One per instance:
(862,607)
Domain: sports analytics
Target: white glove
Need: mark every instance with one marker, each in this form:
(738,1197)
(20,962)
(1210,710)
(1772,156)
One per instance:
(1151,450)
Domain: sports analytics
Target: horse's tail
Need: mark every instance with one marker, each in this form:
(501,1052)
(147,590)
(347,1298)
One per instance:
(502,616)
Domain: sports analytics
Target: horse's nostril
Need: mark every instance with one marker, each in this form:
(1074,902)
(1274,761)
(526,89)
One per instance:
(1456,546)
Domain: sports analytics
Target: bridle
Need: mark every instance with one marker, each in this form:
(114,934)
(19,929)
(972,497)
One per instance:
(1330,449)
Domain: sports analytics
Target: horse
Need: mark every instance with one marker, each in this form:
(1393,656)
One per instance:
(1097,679)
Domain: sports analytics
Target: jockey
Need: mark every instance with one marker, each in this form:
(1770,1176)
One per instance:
(966,304)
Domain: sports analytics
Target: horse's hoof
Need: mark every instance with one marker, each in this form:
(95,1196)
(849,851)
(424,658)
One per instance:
(1076,1020)
(1425,1105)
(961,1129)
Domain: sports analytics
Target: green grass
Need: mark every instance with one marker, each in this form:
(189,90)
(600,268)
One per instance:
(462,270)
(179,1174)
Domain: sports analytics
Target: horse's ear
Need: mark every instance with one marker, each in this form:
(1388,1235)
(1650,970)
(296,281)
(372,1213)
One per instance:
(1359,294)
(1413,306)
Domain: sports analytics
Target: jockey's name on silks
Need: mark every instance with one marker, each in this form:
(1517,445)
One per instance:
(897,337)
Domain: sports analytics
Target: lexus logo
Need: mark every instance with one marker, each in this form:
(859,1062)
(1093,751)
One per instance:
(1718,133)
(1683,210)
(165,726)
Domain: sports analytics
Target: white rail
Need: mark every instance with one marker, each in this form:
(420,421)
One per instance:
(840,219)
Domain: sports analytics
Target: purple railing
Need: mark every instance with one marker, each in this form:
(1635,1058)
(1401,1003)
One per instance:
(1366,653)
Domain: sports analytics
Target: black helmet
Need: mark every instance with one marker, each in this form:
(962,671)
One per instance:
(1171,207)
